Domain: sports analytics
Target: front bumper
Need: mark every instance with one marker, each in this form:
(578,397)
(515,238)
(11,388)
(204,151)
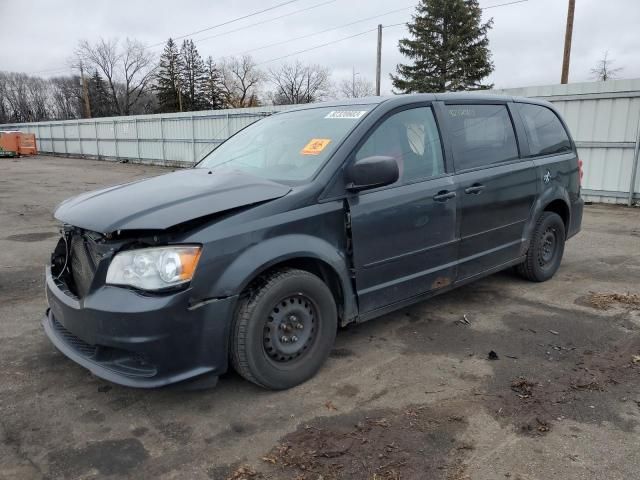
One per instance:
(137,340)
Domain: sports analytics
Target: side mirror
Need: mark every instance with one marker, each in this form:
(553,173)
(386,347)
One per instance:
(372,172)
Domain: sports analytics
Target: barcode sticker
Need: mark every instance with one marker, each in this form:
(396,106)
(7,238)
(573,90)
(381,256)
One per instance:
(349,114)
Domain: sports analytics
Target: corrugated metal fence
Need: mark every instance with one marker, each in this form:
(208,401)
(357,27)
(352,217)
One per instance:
(604,118)
(175,139)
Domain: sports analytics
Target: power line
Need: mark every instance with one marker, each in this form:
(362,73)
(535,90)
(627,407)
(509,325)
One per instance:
(317,46)
(264,21)
(324,31)
(351,36)
(252,14)
(504,4)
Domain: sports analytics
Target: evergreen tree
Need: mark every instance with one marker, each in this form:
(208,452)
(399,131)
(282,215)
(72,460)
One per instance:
(449,48)
(193,77)
(167,85)
(213,94)
(99,98)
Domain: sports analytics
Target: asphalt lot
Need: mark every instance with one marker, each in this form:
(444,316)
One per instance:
(411,395)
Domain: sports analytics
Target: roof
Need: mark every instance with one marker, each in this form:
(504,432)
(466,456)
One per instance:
(417,97)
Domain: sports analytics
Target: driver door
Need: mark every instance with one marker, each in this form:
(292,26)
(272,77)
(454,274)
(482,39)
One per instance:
(404,234)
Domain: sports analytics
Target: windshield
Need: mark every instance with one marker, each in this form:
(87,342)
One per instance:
(289,146)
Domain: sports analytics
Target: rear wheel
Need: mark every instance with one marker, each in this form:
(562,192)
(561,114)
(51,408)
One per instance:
(545,249)
(284,330)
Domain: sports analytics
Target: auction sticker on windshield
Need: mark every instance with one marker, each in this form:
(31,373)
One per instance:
(351,114)
(315,146)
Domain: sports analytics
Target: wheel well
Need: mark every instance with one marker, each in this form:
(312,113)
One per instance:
(561,208)
(317,267)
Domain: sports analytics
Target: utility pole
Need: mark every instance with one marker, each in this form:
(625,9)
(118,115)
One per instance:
(85,93)
(378,60)
(567,42)
(353,81)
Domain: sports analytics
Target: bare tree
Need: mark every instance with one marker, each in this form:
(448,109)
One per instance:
(357,87)
(127,69)
(240,81)
(297,83)
(604,69)
(24,98)
(66,95)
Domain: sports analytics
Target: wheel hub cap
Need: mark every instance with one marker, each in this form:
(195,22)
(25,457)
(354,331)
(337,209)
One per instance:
(290,328)
(547,247)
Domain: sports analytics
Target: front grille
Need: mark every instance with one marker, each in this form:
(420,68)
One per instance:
(83,263)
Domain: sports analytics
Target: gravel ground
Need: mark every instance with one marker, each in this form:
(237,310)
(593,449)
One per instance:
(411,395)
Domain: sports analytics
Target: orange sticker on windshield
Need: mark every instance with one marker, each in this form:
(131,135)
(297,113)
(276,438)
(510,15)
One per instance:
(315,146)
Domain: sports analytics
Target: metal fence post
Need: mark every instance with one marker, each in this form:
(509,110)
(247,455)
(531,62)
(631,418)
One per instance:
(634,168)
(80,140)
(95,129)
(64,137)
(135,123)
(53,144)
(115,139)
(193,138)
(164,155)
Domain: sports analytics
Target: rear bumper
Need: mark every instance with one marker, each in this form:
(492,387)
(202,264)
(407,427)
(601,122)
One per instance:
(575,223)
(136,340)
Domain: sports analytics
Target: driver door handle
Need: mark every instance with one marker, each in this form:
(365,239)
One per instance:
(443,196)
(475,188)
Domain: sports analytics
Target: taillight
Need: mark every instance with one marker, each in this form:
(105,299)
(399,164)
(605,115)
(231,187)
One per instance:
(581,170)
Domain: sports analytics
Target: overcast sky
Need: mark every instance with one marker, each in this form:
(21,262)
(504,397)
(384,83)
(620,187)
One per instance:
(39,36)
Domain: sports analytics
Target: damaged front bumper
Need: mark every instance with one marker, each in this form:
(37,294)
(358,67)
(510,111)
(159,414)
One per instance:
(139,340)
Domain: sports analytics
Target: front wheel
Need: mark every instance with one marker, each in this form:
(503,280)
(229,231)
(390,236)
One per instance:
(545,249)
(284,329)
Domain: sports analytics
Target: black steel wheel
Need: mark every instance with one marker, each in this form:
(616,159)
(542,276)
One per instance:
(546,248)
(290,328)
(284,329)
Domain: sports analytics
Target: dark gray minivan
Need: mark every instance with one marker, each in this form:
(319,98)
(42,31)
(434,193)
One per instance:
(307,220)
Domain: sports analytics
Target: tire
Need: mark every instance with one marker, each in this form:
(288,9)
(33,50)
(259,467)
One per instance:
(545,249)
(290,304)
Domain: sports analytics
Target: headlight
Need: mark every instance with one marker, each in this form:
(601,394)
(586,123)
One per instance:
(154,268)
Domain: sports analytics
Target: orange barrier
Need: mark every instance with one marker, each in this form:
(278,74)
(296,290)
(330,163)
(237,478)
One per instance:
(14,143)
(27,144)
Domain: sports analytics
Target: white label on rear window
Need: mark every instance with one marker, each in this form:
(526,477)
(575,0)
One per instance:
(350,114)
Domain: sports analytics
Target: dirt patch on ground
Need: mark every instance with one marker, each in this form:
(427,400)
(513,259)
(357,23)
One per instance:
(414,443)
(604,301)
(586,390)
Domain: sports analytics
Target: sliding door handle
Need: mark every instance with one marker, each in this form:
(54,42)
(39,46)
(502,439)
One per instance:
(443,196)
(475,188)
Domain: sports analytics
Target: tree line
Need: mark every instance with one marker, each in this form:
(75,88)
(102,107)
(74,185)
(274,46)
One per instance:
(124,78)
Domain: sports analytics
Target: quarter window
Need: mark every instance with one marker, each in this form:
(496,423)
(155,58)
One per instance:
(481,135)
(545,132)
(411,137)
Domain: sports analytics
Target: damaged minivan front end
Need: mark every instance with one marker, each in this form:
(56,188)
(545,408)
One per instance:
(121,292)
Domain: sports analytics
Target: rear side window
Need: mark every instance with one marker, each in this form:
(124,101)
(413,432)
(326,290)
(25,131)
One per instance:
(545,132)
(481,135)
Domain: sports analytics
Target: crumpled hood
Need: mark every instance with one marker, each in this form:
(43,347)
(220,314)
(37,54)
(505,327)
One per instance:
(167,200)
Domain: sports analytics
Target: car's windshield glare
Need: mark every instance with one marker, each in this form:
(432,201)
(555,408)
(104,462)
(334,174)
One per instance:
(290,146)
